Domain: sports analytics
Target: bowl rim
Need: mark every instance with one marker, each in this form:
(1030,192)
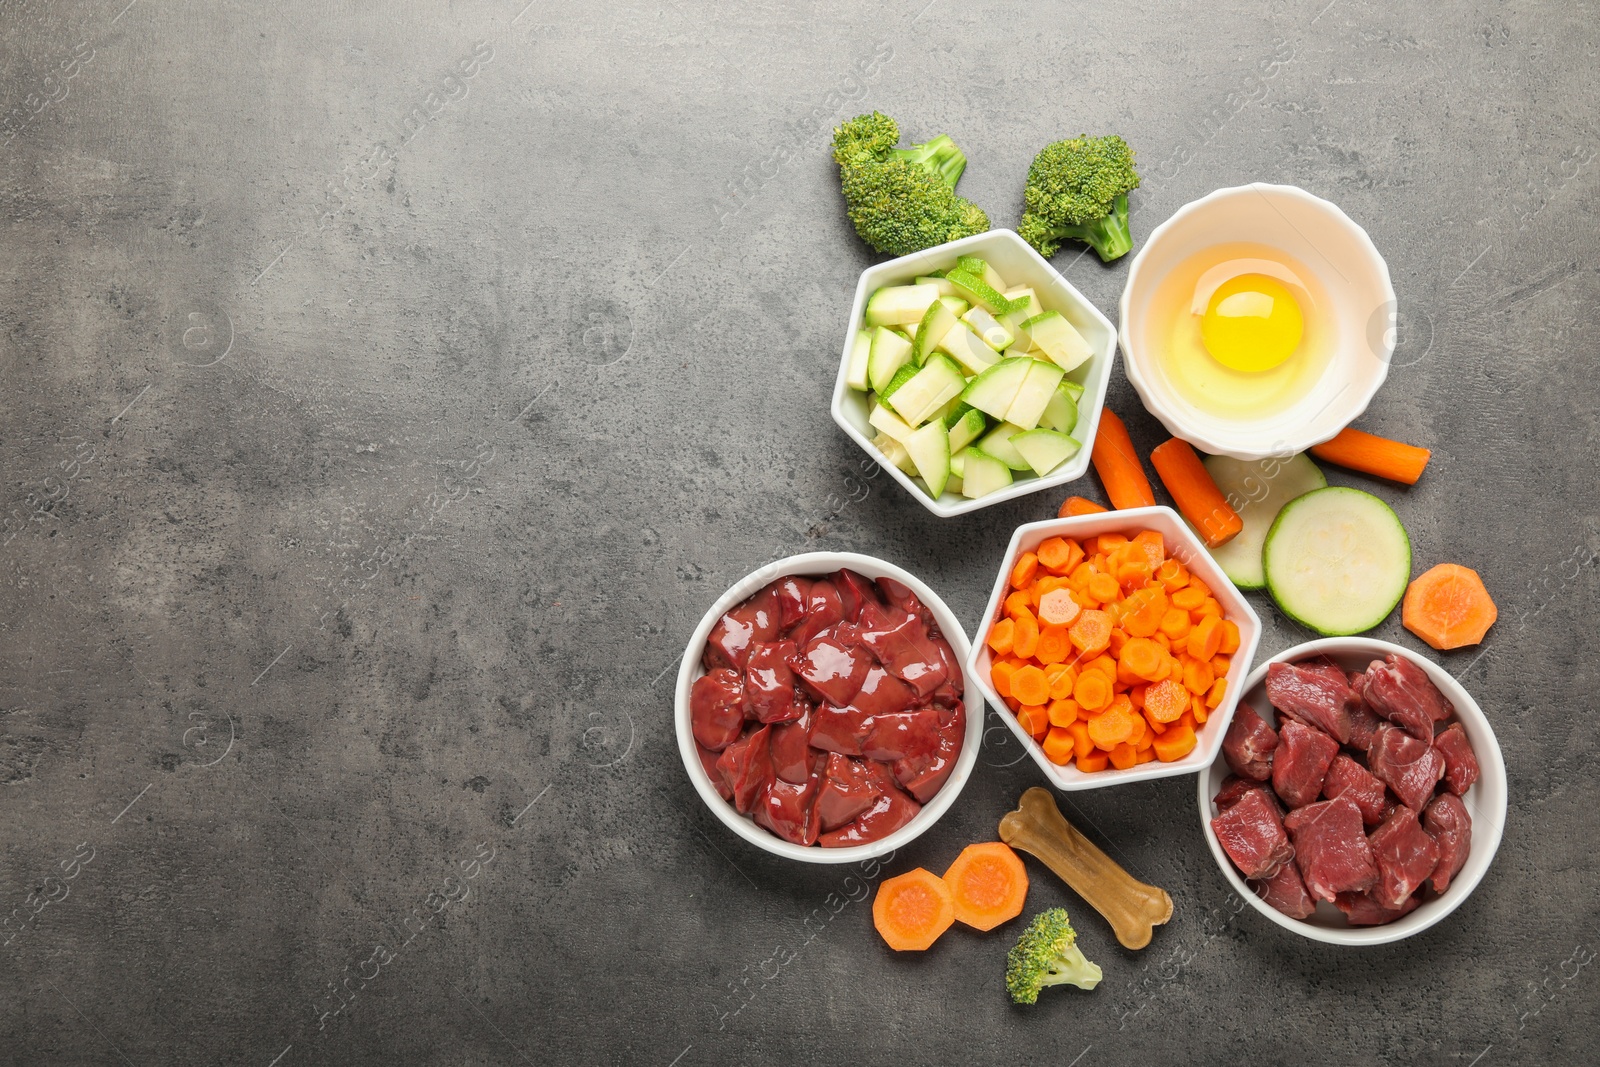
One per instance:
(813,563)
(1156,403)
(1485,841)
(1069,778)
(1074,468)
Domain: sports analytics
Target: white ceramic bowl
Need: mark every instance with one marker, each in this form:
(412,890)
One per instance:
(1182,543)
(1327,243)
(1486,800)
(1018,264)
(820,563)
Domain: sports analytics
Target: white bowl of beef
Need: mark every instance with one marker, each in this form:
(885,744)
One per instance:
(1393,784)
(825,719)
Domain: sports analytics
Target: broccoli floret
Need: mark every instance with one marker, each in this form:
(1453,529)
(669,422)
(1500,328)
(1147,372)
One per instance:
(1078,190)
(902,200)
(1047,954)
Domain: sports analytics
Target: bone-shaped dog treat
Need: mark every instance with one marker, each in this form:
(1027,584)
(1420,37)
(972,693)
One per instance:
(1132,908)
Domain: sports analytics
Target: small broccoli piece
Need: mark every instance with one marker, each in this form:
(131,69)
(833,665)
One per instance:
(902,200)
(1047,954)
(1078,190)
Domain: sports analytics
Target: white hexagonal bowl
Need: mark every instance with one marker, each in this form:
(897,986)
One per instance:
(1182,543)
(1018,264)
(1329,244)
(815,564)
(1486,799)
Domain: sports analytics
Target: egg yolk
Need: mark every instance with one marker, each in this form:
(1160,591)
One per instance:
(1252,323)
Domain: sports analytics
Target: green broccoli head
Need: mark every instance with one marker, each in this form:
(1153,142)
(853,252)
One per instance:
(1078,190)
(902,200)
(1047,954)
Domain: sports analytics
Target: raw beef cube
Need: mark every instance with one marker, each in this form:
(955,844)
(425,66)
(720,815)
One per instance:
(890,811)
(1406,856)
(1447,820)
(785,809)
(1314,696)
(897,735)
(1300,763)
(752,623)
(1364,723)
(1402,692)
(769,693)
(1460,764)
(1286,891)
(1248,745)
(1251,833)
(746,767)
(1361,909)
(1330,846)
(923,776)
(1408,766)
(1347,778)
(1233,790)
(716,708)
(832,669)
(847,791)
(824,611)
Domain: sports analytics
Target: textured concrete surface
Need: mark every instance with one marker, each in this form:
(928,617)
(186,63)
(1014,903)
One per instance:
(389,388)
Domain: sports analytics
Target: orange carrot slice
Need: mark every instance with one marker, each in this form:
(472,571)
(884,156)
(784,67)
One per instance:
(988,885)
(1448,607)
(911,910)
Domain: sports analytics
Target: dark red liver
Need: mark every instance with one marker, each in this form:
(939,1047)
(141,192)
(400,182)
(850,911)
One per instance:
(716,708)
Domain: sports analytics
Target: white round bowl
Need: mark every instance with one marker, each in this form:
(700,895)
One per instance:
(1328,244)
(1018,264)
(1182,543)
(1486,800)
(815,564)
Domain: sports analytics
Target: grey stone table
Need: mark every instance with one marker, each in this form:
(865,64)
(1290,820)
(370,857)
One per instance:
(389,388)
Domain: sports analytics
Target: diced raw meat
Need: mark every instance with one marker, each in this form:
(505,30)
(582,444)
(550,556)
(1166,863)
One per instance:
(1248,745)
(897,735)
(1347,778)
(902,646)
(1232,789)
(824,611)
(716,708)
(832,669)
(746,766)
(1364,723)
(847,791)
(890,811)
(752,623)
(1361,909)
(882,693)
(1447,820)
(854,592)
(1251,833)
(785,809)
(923,776)
(769,694)
(1406,856)
(1402,692)
(1300,762)
(1408,766)
(1312,695)
(1331,849)
(903,598)
(793,594)
(791,750)
(708,761)
(949,692)
(842,730)
(1460,763)
(1286,891)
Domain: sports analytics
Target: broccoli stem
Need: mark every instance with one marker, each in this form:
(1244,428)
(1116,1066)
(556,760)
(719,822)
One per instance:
(941,155)
(1107,235)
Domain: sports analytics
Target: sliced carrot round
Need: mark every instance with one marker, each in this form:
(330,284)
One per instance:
(1058,608)
(1448,607)
(1028,685)
(988,885)
(911,910)
(1165,701)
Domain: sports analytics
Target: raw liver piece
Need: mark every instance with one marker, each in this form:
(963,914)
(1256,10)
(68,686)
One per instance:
(1251,833)
(1460,763)
(901,644)
(881,693)
(1248,745)
(847,791)
(753,622)
(785,809)
(1233,788)
(855,591)
(1402,692)
(1406,856)
(1300,762)
(842,730)
(890,811)
(1347,778)
(950,691)
(1331,849)
(746,767)
(1361,909)
(792,753)
(824,610)
(904,599)
(831,669)
(716,709)
(792,594)
(1286,891)
(1408,766)
(708,761)
(769,694)
(897,735)
(1449,824)
(923,776)
(1313,695)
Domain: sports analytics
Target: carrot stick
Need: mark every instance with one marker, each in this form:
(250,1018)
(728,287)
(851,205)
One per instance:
(1448,607)
(1118,464)
(912,910)
(1077,505)
(1196,495)
(988,884)
(1374,455)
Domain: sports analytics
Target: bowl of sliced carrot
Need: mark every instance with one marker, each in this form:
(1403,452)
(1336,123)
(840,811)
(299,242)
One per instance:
(1114,647)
